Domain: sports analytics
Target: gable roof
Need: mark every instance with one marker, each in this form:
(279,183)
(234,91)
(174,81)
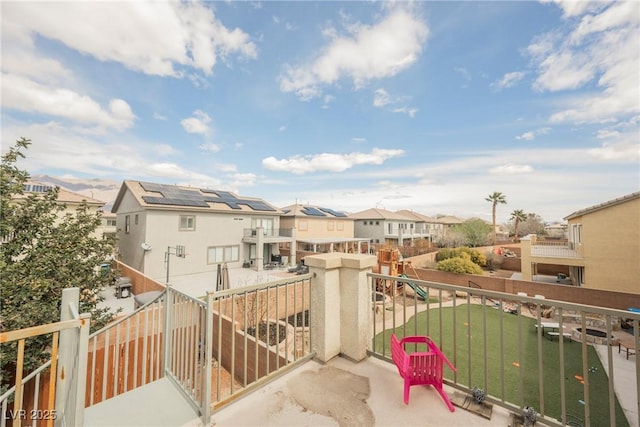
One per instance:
(375,213)
(603,205)
(163,196)
(418,217)
(312,211)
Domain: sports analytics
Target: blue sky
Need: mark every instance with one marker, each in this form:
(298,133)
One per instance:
(429,106)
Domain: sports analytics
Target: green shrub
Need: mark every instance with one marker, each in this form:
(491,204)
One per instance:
(473,254)
(460,265)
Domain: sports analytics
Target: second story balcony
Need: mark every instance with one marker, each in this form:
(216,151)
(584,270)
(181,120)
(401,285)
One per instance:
(268,235)
(333,364)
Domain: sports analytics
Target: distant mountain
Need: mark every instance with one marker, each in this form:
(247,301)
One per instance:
(105,190)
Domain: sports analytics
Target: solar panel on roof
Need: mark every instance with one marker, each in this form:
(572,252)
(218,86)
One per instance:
(308,210)
(334,213)
(176,196)
(234,202)
(174,202)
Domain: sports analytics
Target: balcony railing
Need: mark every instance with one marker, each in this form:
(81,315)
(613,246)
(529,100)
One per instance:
(554,249)
(268,232)
(493,340)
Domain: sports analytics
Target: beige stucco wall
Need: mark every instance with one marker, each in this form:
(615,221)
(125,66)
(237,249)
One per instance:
(318,228)
(611,247)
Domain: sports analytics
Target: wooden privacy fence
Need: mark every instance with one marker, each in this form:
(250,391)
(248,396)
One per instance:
(126,354)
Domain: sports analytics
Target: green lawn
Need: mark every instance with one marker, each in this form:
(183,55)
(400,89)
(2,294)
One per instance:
(427,323)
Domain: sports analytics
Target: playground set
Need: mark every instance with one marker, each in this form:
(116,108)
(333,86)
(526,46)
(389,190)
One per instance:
(390,263)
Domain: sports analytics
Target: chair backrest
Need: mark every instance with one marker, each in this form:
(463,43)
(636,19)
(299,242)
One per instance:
(424,367)
(399,356)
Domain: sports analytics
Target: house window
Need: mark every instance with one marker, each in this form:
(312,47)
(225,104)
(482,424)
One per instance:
(218,254)
(377,222)
(340,226)
(127,224)
(303,226)
(330,226)
(187,222)
(111,223)
(135,219)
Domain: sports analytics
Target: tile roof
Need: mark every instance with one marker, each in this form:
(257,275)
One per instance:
(376,213)
(603,205)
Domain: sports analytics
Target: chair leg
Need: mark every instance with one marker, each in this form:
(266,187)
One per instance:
(445,398)
(407,388)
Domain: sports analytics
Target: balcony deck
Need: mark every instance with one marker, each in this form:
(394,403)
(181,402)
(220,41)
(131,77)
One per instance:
(347,393)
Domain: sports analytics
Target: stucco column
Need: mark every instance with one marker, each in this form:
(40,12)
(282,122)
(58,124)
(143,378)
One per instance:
(294,248)
(259,248)
(324,304)
(341,304)
(525,256)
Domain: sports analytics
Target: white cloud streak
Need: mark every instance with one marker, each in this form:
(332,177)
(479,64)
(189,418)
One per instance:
(23,94)
(300,165)
(508,80)
(600,47)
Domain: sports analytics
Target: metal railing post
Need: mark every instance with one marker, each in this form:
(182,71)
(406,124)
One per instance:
(167,333)
(67,345)
(81,372)
(206,404)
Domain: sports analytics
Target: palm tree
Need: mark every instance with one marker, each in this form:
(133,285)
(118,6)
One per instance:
(518,216)
(495,198)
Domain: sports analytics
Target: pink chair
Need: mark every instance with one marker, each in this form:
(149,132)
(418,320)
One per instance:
(424,367)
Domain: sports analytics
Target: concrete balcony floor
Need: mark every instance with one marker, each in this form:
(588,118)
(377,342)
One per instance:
(343,392)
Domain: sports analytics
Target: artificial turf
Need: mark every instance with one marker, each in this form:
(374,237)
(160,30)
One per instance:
(506,363)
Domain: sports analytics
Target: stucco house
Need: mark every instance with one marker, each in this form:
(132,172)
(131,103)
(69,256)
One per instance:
(213,226)
(320,230)
(69,199)
(381,226)
(603,251)
(424,228)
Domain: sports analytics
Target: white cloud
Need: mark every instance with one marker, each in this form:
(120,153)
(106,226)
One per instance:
(359,140)
(28,64)
(617,146)
(381,98)
(199,123)
(366,53)
(159,116)
(210,147)
(282,128)
(531,135)
(300,165)
(22,94)
(158,38)
(599,49)
(573,8)
(409,111)
(508,80)
(527,136)
(327,100)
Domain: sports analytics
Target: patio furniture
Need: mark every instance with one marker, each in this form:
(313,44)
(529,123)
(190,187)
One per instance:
(420,367)
(628,345)
(123,287)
